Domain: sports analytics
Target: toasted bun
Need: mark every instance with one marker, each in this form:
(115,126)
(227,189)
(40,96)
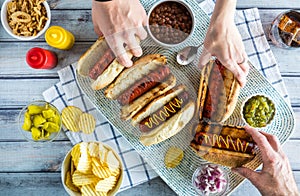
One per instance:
(225,156)
(129,76)
(171,127)
(109,75)
(156,104)
(222,157)
(128,111)
(91,56)
(228,92)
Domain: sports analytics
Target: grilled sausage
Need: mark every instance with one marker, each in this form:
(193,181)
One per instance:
(145,84)
(102,64)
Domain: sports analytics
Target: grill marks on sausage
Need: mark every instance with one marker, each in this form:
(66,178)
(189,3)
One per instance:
(104,61)
(143,85)
(224,142)
(214,91)
(164,113)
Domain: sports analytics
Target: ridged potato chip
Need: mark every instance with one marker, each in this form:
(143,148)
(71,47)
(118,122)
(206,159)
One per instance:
(86,123)
(69,182)
(70,117)
(84,163)
(100,170)
(93,149)
(80,179)
(89,190)
(106,184)
(173,157)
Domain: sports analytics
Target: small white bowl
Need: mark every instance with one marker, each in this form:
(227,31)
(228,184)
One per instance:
(23,38)
(66,167)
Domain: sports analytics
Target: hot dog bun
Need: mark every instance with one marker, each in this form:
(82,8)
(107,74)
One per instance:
(102,69)
(218,92)
(166,115)
(130,76)
(227,145)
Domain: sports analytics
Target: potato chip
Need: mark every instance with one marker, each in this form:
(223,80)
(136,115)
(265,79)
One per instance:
(112,161)
(80,179)
(93,149)
(100,170)
(86,123)
(84,163)
(102,153)
(70,117)
(75,153)
(89,190)
(106,184)
(69,182)
(173,157)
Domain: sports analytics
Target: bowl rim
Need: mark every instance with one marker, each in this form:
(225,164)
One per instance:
(66,163)
(190,10)
(200,168)
(21,119)
(247,99)
(23,38)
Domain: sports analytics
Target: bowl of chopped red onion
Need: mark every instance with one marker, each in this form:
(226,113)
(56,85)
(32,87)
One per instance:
(210,179)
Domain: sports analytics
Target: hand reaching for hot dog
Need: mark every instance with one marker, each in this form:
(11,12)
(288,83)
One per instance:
(276,177)
(224,41)
(121,23)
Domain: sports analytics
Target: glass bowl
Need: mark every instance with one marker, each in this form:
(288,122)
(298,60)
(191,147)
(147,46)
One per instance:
(39,121)
(8,29)
(69,167)
(210,175)
(257,114)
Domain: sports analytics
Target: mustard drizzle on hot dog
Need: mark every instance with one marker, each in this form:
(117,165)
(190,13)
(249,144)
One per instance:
(237,145)
(163,114)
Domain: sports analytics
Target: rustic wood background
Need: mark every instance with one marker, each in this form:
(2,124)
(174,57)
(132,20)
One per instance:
(27,169)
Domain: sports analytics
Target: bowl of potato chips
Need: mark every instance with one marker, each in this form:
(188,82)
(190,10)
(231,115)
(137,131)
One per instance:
(92,168)
(25,20)
(40,121)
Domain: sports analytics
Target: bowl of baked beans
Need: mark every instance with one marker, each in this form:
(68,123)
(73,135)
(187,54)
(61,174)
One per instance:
(170,22)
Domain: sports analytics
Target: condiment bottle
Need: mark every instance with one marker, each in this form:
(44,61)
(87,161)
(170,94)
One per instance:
(39,58)
(60,38)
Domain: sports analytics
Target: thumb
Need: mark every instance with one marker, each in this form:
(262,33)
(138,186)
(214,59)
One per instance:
(204,58)
(253,176)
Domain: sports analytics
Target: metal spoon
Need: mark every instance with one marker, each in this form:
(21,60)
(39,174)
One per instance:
(187,54)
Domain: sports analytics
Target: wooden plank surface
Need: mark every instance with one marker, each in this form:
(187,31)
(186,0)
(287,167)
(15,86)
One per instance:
(24,166)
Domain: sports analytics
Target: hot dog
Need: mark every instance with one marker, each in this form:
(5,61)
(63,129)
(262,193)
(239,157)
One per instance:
(218,92)
(100,64)
(227,145)
(165,116)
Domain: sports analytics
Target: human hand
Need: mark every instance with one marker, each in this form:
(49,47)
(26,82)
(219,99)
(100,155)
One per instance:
(121,23)
(224,41)
(276,177)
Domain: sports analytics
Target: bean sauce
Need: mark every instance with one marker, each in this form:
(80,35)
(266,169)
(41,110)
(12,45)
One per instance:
(170,22)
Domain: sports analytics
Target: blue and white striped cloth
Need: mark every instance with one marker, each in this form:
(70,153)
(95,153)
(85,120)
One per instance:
(137,171)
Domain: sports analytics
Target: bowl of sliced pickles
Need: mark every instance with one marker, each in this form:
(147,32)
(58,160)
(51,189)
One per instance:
(258,110)
(40,121)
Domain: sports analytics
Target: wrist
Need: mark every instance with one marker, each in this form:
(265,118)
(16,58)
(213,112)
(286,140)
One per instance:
(224,10)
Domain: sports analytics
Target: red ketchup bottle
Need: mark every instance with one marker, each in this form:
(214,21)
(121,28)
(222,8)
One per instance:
(39,58)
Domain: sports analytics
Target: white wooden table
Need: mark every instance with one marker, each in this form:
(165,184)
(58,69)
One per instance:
(27,169)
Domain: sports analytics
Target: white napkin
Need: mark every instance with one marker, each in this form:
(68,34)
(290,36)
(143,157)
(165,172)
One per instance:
(67,92)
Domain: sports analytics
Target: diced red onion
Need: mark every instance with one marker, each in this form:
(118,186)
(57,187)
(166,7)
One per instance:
(210,179)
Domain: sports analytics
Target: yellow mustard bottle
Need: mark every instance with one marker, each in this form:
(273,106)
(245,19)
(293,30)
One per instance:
(59,37)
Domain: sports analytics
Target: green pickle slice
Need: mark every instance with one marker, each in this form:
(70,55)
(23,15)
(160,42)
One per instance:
(258,111)
(41,121)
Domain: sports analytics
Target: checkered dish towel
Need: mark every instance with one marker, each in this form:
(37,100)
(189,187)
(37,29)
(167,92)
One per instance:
(136,170)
